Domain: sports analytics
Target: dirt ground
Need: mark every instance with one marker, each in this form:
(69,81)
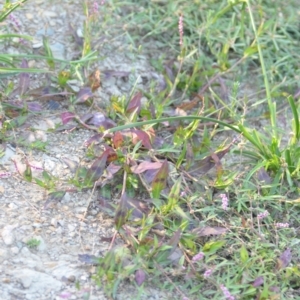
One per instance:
(71,227)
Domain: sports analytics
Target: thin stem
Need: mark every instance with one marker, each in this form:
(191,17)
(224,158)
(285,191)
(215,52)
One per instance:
(272,106)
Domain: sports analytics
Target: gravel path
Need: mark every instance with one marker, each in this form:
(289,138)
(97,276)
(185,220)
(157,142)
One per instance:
(68,228)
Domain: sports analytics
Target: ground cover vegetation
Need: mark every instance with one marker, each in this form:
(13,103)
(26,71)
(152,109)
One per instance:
(202,177)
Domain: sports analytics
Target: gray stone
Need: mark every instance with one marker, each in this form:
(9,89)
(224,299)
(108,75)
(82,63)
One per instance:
(8,234)
(36,282)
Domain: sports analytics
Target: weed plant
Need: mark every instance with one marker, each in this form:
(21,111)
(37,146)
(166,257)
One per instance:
(185,221)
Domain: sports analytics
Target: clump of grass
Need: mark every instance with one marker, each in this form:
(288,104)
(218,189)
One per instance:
(33,243)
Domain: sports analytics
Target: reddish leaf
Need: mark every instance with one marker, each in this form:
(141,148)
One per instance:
(96,170)
(138,208)
(140,277)
(54,198)
(139,135)
(144,166)
(94,139)
(258,281)
(112,156)
(98,119)
(67,117)
(284,260)
(24,78)
(106,206)
(263,176)
(190,105)
(160,180)
(83,95)
(205,231)
(118,139)
(121,215)
(149,175)
(204,165)
(34,106)
(135,104)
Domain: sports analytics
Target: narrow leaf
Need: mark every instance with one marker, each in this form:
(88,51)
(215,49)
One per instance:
(144,166)
(121,215)
(67,117)
(135,104)
(24,78)
(96,170)
(28,174)
(54,198)
(160,180)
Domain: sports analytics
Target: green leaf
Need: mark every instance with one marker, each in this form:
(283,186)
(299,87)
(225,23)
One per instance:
(28,174)
(250,50)
(48,51)
(212,247)
(244,254)
(16,122)
(296,126)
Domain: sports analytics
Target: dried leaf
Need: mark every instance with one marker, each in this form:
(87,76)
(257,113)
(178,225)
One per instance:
(207,230)
(135,104)
(284,260)
(94,80)
(96,170)
(144,166)
(160,180)
(24,78)
(191,104)
(140,277)
(54,198)
(118,140)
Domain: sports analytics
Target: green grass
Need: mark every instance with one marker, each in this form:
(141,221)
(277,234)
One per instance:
(190,222)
